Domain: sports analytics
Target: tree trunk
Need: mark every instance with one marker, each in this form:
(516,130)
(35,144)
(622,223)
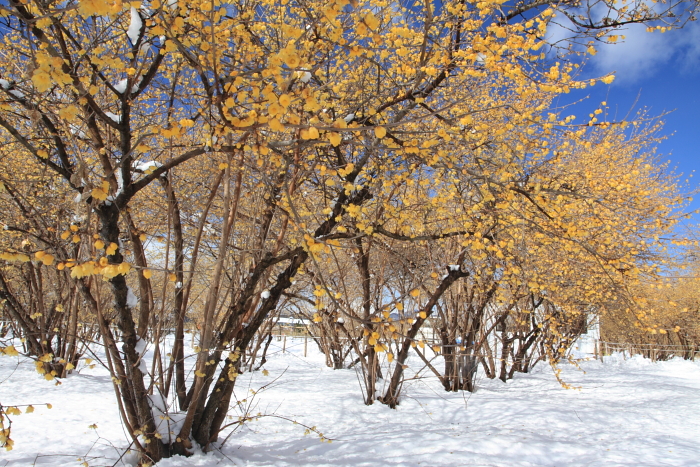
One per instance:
(391,397)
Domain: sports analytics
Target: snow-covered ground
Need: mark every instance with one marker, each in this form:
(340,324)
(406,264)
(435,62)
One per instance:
(626,413)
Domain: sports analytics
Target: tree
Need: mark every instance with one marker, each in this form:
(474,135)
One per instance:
(304,127)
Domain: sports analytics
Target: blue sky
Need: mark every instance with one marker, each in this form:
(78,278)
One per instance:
(659,72)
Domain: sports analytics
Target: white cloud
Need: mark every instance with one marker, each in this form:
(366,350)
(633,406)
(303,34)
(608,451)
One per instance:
(643,54)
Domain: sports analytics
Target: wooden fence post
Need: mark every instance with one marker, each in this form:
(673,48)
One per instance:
(595,349)
(306,340)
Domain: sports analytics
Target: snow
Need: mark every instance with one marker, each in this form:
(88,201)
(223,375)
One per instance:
(137,83)
(340,321)
(168,423)
(115,118)
(141,346)
(121,86)
(135,26)
(148,165)
(131,300)
(76,130)
(304,76)
(453,267)
(626,413)
(120,183)
(265,294)
(6,85)
(349,118)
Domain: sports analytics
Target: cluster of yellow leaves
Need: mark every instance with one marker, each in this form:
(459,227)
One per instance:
(101,267)
(102,192)
(7,256)
(5,430)
(46,258)
(5,440)
(10,350)
(88,8)
(49,70)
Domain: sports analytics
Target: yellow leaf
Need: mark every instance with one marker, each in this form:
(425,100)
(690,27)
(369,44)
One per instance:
(111,249)
(147,273)
(99,194)
(275,125)
(371,21)
(41,80)
(334,138)
(10,350)
(380,132)
(285,100)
